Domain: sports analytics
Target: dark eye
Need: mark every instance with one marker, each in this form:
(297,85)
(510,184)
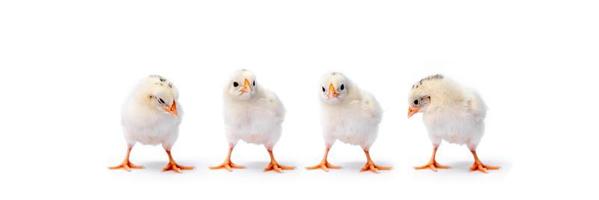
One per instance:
(161,101)
(416,102)
(323,89)
(235,84)
(253,83)
(342,87)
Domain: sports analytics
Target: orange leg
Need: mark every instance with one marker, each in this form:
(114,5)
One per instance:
(432,164)
(126,164)
(274,165)
(172,165)
(370,166)
(228,164)
(324,164)
(479,166)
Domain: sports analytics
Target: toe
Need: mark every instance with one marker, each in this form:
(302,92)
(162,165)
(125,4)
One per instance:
(237,166)
(442,166)
(319,166)
(287,167)
(492,167)
(176,169)
(334,166)
(373,169)
(187,167)
(384,167)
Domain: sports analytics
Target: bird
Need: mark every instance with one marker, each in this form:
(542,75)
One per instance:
(349,115)
(151,115)
(252,114)
(451,113)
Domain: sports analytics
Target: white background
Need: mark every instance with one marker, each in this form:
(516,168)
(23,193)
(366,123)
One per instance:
(67,66)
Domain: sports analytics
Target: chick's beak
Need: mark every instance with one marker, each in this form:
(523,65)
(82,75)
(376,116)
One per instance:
(172,109)
(332,92)
(412,111)
(246,86)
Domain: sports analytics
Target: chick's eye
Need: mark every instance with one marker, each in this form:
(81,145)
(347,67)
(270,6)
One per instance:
(235,84)
(253,83)
(161,101)
(342,87)
(323,89)
(416,102)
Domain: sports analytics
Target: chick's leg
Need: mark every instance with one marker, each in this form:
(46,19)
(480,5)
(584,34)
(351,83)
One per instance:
(432,164)
(172,165)
(228,164)
(126,164)
(274,165)
(370,166)
(324,164)
(479,166)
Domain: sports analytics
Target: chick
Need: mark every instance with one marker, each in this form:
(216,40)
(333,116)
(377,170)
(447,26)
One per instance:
(151,115)
(252,114)
(450,113)
(349,115)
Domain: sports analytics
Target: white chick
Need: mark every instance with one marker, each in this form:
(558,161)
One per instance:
(151,115)
(252,114)
(451,113)
(349,115)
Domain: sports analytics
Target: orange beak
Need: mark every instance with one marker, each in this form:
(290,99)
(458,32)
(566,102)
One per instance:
(332,92)
(173,109)
(246,86)
(412,111)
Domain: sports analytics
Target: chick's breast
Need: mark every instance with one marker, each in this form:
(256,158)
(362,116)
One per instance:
(257,121)
(461,122)
(353,123)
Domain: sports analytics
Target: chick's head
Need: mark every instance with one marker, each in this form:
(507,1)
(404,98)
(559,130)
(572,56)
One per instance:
(242,85)
(334,88)
(161,95)
(420,95)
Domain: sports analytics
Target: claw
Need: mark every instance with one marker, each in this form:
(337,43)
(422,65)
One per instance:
(432,165)
(172,165)
(324,165)
(274,165)
(228,165)
(370,166)
(127,166)
(175,167)
(478,166)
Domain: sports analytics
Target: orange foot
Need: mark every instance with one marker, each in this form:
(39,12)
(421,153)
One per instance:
(275,166)
(433,165)
(478,166)
(370,166)
(324,165)
(228,165)
(126,165)
(175,167)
